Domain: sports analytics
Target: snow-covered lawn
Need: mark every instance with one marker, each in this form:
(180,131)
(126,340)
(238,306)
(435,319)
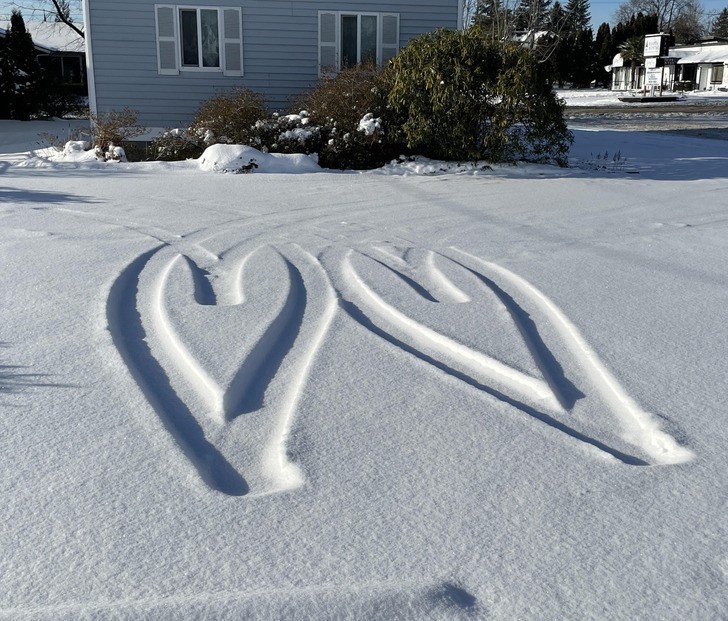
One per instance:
(423,392)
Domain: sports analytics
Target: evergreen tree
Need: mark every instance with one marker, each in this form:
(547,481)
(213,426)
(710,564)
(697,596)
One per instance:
(638,25)
(531,15)
(493,17)
(556,19)
(720,25)
(644,25)
(604,53)
(578,15)
(20,76)
(577,44)
(558,61)
(4,98)
(581,57)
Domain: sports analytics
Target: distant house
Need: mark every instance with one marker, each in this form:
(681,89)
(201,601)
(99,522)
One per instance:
(61,52)
(700,66)
(163,60)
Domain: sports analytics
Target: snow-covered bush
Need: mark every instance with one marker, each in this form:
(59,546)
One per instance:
(342,120)
(178,144)
(290,133)
(115,153)
(458,95)
(73,147)
(351,110)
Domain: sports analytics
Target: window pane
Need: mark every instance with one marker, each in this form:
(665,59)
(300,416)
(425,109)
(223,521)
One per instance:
(210,39)
(188,21)
(348,40)
(72,70)
(717,73)
(369,39)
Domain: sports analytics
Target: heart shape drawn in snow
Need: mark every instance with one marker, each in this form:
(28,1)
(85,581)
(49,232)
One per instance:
(405,312)
(223,354)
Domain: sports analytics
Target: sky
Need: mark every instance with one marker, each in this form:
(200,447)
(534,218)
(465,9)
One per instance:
(601,10)
(27,6)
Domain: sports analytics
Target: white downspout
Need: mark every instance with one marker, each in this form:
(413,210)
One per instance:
(89,57)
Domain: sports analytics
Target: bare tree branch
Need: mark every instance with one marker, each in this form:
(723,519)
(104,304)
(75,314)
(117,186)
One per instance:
(57,10)
(63,16)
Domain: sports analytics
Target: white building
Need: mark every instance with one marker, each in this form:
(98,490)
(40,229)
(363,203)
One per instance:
(700,66)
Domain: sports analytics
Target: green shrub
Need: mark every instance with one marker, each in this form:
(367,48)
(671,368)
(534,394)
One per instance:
(229,117)
(528,123)
(459,96)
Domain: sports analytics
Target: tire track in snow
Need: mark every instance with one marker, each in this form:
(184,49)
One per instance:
(207,388)
(405,599)
(639,427)
(447,288)
(552,371)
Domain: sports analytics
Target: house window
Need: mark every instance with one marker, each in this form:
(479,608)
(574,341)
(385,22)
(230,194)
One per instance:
(716,76)
(199,39)
(347,39)
(66,68)
(358,40)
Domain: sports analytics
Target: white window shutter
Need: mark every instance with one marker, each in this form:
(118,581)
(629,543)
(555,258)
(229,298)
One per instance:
(328,43)
(388,36)
(232,41)
(166,17)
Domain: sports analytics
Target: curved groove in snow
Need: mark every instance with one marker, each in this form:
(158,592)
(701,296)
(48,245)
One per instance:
(283,473)
(206,387)
(640,427)
(516,381)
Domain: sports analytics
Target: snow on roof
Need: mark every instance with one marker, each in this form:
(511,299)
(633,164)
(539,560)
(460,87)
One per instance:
(706,54)
(531,35)
(53,36)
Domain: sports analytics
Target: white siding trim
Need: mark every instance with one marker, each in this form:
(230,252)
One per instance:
(90,77)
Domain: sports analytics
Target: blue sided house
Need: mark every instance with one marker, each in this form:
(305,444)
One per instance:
(162,60)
